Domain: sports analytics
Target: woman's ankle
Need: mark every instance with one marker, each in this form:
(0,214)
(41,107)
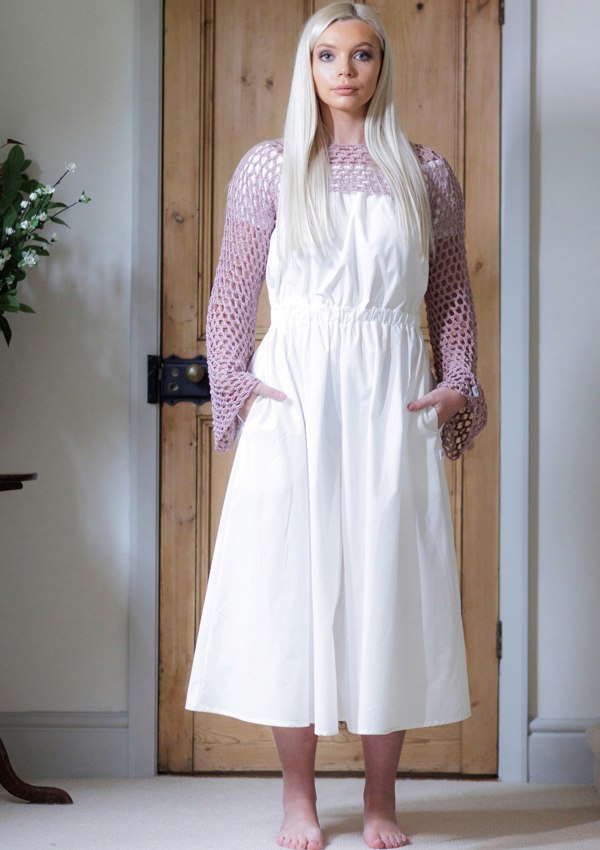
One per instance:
(379,798)
(295,793)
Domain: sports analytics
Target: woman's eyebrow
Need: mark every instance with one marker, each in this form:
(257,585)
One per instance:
(333,46)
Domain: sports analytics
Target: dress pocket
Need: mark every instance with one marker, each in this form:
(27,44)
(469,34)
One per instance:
(251,413)
(428,421)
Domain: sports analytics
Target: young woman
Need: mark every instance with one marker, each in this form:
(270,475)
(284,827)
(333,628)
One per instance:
(333,593)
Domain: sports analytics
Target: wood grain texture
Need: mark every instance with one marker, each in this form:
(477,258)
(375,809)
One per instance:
(177,587)
(481,481)
(179,336)
(429,71)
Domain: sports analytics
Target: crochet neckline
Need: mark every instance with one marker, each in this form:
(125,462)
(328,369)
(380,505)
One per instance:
(347,145)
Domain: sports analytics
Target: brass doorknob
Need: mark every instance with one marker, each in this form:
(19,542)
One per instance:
(194,373)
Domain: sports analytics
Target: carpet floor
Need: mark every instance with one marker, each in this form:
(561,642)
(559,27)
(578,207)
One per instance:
(244,813)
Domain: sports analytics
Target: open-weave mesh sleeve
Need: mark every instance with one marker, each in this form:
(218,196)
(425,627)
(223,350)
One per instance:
(449,305)
(233,304)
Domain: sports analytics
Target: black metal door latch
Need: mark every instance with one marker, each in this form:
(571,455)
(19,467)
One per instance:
(174,379)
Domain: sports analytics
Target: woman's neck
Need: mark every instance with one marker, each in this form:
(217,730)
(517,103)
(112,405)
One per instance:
(343,129)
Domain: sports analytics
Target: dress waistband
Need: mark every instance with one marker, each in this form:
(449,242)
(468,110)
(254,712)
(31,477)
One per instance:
(304,311)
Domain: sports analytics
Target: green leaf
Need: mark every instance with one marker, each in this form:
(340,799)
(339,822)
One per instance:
(5,328)
(9,303)
(15,158)
(25,309)
(41,252)
(57,220)
(7,199)
(10,218)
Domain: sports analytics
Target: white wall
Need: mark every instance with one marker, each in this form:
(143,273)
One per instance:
(66,68)
(565,379)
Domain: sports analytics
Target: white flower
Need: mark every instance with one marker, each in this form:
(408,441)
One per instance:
(29,258)
(46,190)
(84,199)
(42,216)
(24,225)
(24,205)
(54,237)
(70,166)
(9,231)
(33,196)
(6,253)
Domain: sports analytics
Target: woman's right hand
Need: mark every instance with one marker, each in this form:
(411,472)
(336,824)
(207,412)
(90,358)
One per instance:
(259,389)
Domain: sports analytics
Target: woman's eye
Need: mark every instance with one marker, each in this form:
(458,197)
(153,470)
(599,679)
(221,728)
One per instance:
(363,55)
(326,55)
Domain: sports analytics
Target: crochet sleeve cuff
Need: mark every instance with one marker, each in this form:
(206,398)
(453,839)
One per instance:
(450,311)
(233,304)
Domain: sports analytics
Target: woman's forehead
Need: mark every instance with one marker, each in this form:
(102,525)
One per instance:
(348,30)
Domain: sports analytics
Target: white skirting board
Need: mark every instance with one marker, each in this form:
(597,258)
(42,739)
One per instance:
(66,744)
(559,752)
(94,744)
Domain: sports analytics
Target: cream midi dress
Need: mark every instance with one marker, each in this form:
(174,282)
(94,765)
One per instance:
(333,591)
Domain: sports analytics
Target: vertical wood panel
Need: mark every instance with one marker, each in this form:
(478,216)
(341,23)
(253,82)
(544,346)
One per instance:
(481,485)
(181,176)
(177,587)
(205,157)
(178,437)
(428,58)
(253,69)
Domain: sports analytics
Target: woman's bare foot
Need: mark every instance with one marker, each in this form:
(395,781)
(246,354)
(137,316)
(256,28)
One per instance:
(382,753)
(300,827)
(296,747)
(380,825)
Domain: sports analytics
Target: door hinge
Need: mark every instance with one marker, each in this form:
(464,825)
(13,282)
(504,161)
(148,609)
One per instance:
(174,379)
(501,12)
(499,639)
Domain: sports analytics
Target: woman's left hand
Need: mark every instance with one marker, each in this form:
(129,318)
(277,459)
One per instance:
(447,403)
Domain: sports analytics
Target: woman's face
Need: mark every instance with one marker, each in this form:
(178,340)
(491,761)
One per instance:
(346,61)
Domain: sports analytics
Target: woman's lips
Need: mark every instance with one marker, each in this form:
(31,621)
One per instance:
(345,90)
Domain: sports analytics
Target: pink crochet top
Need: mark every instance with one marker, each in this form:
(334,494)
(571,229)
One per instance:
(249,223)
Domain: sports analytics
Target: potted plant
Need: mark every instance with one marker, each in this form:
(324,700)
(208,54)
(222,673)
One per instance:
(26,206)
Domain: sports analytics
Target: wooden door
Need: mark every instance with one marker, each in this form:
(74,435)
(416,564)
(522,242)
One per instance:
(227,68)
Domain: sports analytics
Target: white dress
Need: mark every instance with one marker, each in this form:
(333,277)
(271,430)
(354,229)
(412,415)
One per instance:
(333,591)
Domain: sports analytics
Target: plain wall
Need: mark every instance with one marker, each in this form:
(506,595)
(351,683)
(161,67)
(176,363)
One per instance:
(66,68)
(565,379)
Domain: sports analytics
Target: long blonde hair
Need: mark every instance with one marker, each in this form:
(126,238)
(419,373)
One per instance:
(303,221)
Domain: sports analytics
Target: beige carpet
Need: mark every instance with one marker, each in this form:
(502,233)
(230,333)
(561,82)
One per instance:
(223,813)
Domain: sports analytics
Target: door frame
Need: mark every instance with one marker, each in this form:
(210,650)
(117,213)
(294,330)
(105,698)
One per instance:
(514,367)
